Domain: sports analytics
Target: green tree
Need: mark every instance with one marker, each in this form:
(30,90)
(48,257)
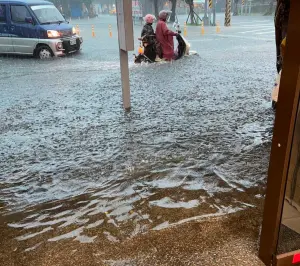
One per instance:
(155,3)
(61,2)
(271,8)
(174,3)
(235,8)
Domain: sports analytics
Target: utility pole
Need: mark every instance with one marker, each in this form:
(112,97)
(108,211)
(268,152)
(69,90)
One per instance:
(214,15)
(210,5)
(126,43)
(205,18)
(212,9)
(250,5)
(242,7)
(228,13)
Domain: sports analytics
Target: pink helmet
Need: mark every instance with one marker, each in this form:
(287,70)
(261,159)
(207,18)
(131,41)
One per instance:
(149,18)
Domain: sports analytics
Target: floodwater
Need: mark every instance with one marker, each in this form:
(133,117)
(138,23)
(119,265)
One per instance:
(74,166)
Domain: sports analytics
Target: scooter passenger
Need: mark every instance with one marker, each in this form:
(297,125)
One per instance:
(151,48)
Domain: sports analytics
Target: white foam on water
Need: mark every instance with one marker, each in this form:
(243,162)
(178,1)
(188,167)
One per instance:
(85,239)
(161,226)
(221,212)
(246,204)
(72,234)
(111,237)
(28,236)
(164,183)
(255,132)
(95,224)
(169,203)
(33,248)
(223,176)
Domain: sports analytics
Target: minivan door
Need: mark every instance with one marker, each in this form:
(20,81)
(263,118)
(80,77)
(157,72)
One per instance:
(23,33)
(6,45)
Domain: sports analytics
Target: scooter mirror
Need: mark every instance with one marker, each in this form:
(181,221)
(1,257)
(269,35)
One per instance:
(176,25)
(29,20)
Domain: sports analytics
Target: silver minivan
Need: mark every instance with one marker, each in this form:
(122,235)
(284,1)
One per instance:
(35,27)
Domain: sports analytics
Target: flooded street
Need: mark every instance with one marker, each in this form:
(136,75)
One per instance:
(76,169)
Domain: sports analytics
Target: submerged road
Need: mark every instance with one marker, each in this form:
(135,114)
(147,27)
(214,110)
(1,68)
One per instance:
(74,166)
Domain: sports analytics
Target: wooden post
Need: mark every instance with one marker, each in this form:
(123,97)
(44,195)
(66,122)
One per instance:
(284,128)
(126,43)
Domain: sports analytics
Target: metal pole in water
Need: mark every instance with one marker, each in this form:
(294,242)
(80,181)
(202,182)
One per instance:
(205,19)
(214,19)
(210,5)
(250,5)
(228,13)
(242,7)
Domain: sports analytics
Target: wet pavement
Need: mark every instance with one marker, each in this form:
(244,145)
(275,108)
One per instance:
(74,168)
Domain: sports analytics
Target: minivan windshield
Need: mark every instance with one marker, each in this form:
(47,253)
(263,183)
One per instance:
(47,14)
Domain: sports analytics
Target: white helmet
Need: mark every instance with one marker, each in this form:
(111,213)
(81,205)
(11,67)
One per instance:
(164,14)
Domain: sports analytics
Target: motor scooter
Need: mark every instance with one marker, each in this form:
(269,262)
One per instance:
(147,53)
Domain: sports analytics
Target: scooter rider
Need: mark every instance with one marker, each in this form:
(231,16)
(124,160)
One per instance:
(165,36)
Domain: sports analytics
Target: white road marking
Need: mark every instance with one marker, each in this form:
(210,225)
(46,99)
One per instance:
(265,31)
(256,28)
(255,25)
(201,40)
(244,37)
(260,33)
(255,21)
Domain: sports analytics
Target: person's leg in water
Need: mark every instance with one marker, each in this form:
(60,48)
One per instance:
(158,52)
(280,33)
(157,58)
(281,23)
(277,83)
(150,52)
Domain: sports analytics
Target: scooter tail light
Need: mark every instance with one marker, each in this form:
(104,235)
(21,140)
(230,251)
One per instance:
(141,50)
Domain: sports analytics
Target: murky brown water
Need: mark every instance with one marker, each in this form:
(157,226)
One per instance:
(75,167)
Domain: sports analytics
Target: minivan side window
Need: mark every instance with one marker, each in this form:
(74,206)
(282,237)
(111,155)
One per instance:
(2,13)
(19,13)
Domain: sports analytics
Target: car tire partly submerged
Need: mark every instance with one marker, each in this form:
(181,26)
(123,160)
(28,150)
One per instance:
(43,52)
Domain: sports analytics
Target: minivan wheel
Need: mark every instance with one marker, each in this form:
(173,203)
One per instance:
(44,52)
